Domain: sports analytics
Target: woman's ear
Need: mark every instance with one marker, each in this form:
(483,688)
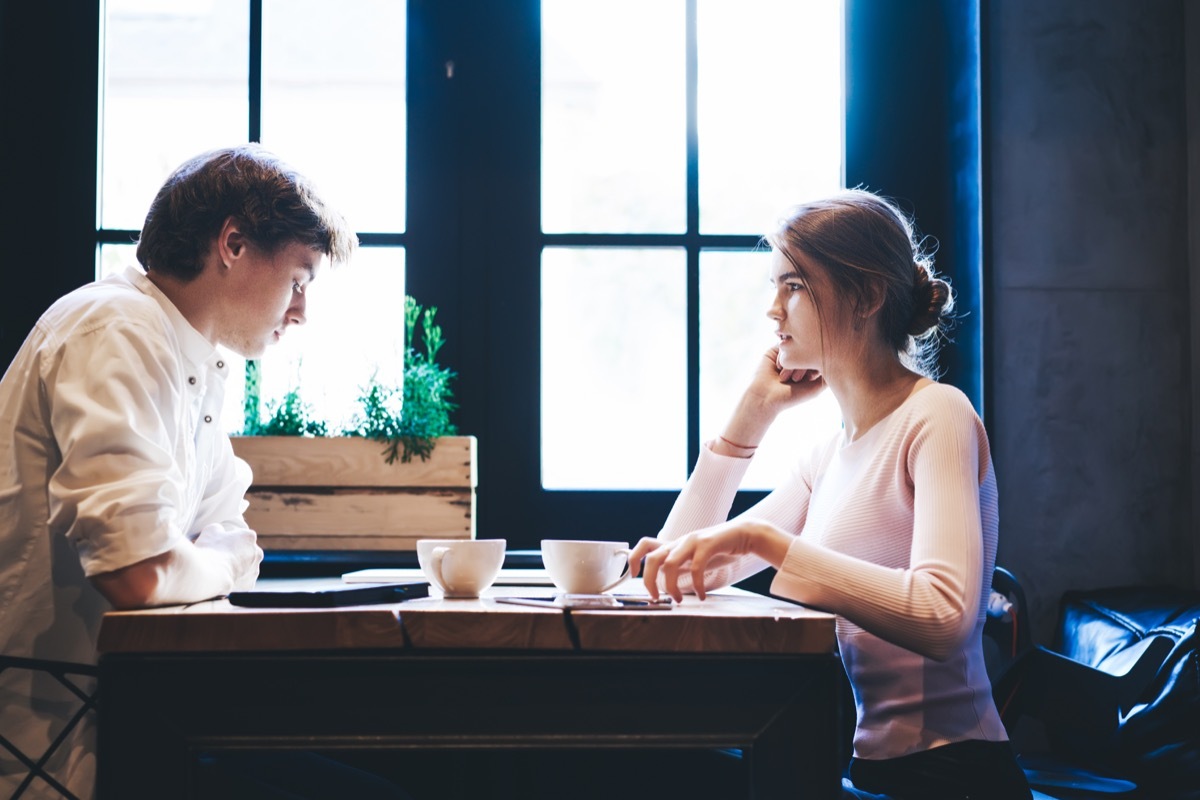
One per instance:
(871,301)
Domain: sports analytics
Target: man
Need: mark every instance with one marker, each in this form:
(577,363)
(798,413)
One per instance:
(118,487)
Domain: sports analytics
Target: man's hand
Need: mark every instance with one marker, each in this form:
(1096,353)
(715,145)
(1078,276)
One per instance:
(218,562)
(239,546)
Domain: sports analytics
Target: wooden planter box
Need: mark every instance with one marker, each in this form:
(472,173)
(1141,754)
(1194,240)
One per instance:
(339,493)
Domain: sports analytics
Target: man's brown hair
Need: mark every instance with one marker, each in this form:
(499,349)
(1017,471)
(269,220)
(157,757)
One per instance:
(274,204)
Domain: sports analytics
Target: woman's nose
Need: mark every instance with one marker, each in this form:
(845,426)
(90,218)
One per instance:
(775,310)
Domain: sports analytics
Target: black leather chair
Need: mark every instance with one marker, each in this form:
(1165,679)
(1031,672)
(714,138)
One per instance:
(1077,706)
(63,672)
(1158,738)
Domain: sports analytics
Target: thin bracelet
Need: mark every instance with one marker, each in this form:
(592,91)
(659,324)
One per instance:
(735,444)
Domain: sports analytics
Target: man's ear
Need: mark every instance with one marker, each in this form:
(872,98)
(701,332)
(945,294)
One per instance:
(231,242)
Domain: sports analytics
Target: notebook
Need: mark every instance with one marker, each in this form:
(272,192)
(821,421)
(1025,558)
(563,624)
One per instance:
(294,596)
(509,576)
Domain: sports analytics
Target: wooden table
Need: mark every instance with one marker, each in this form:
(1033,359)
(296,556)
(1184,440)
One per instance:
(739,672)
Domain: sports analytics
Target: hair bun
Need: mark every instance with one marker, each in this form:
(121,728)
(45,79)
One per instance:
(931,301)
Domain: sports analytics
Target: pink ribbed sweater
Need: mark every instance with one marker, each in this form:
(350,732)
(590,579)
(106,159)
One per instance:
(896,534)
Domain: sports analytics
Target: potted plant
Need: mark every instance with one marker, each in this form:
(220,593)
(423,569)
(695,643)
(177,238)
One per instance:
(397,473)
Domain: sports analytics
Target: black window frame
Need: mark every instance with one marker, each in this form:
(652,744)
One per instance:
(914,131)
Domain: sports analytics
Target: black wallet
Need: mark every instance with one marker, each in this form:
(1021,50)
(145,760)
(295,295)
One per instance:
(331,597)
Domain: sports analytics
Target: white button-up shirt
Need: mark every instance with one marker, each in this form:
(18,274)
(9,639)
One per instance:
(111,452)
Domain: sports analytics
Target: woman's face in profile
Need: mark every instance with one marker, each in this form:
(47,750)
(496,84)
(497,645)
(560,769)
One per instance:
(794,311)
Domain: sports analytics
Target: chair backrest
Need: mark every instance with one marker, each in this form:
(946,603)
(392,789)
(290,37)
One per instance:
(68,675)
(1006,633)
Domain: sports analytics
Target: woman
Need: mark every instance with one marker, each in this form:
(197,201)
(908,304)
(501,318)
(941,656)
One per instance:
(891,524)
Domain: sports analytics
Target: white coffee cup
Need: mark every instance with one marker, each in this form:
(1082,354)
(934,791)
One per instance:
(585,567)
(461,567)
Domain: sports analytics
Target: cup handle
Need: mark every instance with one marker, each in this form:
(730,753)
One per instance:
(435,566)
(624,573)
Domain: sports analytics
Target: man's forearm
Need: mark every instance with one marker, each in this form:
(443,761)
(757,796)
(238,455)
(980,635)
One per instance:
(184,574)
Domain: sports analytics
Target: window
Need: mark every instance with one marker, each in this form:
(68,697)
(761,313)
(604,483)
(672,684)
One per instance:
(664,153)
(673,135)
(180,78)
(469,210)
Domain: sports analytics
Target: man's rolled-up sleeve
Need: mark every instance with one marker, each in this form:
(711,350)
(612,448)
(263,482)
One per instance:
(118,493)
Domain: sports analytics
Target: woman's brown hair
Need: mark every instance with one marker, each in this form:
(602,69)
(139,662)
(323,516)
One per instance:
(875,263)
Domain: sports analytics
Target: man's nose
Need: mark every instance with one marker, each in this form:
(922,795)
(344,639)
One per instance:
(296,311)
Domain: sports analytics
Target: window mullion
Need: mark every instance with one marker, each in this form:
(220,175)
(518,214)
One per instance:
(255,71)
(693,242)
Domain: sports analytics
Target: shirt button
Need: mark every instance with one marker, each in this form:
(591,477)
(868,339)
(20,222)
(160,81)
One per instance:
(192,380)
(220,365)
(207,418)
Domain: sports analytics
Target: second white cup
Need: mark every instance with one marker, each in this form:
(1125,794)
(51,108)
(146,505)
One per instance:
(461,567)
(585,567)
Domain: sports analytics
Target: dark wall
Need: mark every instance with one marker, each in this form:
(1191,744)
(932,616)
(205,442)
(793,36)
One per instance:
(1191,28)
(1090,341)
(47,134)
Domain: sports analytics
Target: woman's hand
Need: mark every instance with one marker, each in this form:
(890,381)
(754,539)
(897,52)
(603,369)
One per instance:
(772,389)
(705,549)
(778,388)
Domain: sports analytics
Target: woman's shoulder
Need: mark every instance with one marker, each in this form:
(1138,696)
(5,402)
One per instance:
(936,407)
(944,414)
(941,399)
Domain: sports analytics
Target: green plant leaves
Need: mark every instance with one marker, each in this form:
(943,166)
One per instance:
(289,417)
(405,419)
